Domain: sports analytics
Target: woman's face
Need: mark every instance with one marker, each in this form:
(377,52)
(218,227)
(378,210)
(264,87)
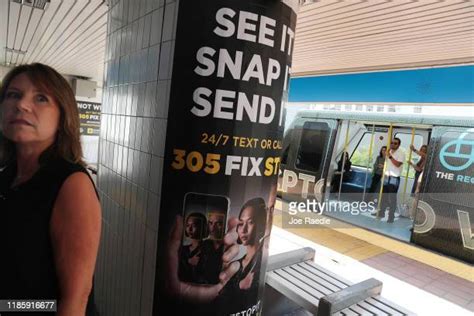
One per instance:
(247,228)
(193,228)
(424,149)
(30,116)
(384,149)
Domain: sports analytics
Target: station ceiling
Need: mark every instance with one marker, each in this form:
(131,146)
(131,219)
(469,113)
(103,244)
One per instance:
(332,36)
(68,35)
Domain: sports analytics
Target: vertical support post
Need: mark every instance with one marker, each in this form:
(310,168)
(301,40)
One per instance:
(222,152)
(390,131)
(369,160)
(346,142)
(408,168)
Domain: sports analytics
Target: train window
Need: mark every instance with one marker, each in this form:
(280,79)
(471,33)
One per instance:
(360,155)
(312,148)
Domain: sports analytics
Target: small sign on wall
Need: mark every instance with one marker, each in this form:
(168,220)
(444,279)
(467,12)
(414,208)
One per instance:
(89,115)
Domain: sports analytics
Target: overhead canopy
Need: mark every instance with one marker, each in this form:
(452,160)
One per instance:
(68,35)
(332,36)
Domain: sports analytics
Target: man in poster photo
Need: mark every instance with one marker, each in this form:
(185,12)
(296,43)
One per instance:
(213,247)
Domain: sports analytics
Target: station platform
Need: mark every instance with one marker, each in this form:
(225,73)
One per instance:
(422,281)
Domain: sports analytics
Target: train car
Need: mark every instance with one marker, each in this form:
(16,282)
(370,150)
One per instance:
(440,216)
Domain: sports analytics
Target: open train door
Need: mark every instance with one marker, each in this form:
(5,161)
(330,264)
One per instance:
(444,218)
(409,136)
(307,150)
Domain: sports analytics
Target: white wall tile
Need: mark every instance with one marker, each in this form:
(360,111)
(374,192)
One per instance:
(152,64)
(129,96)
(141,99)
(156,26)
(144,172)
(145,135)
(165,61)
(146,31)
(168,24)
(152,211)
(134,107)
(159,137)
(143,65)
(141,28)
(156,172)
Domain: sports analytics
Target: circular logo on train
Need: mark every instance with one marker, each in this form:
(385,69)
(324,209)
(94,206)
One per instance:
(458,154)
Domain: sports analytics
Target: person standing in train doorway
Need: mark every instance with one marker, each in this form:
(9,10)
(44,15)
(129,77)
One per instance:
(395,158)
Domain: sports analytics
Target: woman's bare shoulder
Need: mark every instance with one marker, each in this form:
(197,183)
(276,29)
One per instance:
(77,193)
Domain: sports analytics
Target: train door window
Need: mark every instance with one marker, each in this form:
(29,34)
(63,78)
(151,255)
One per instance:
(405,138)
(312,148)
(360,155)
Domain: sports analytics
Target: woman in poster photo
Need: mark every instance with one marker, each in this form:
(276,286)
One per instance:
(251,230)
(242,289)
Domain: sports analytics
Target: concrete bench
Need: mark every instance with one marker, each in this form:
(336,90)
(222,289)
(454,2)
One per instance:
(319,291)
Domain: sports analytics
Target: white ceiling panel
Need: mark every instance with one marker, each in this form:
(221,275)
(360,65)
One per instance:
(334,36)
(3,23)
(12,22)
(56,26)
(30,29)
(68,35)
(67,24)
(85,18)
(40,30)
(25,16)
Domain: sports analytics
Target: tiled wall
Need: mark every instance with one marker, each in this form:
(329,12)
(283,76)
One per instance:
(138,63)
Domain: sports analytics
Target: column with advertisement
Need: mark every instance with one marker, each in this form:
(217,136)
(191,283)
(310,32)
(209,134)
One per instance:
(230,77)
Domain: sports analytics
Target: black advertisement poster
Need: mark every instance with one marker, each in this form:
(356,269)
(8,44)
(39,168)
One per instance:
(89,115)
(230,73)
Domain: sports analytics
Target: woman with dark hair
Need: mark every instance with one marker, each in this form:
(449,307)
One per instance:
(190,265)
(243,288)
(377,170)
(343,168)
(50,216)
(251,230)
(420,165)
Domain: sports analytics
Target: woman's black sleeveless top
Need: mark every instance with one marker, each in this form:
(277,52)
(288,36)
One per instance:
(27,268)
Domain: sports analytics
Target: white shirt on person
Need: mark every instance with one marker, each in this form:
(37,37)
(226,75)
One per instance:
(392,170)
